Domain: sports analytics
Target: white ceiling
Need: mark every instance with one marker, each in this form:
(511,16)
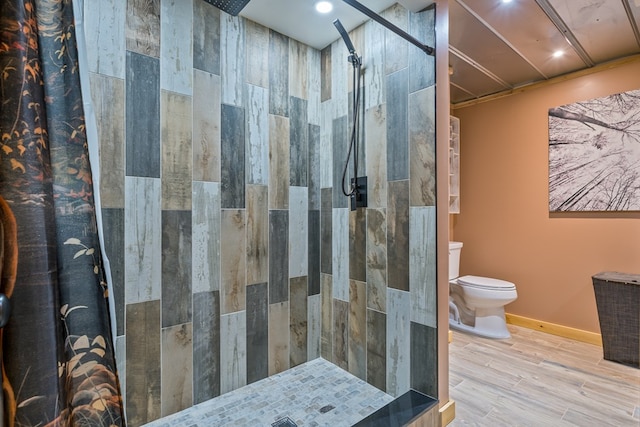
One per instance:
(494,46)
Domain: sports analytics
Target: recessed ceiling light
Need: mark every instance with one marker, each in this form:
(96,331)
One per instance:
(324,6)
(558,54)
(506,1)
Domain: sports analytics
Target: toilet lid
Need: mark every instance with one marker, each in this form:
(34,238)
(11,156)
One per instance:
(486,283)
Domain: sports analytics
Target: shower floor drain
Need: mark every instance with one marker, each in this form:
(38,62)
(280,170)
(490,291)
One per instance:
(326,409)
(284,422)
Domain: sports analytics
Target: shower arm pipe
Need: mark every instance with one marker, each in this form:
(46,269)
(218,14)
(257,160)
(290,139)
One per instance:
(399,31)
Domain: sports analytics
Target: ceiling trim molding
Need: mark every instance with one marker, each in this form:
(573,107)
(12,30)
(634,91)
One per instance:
(632,20)
(478,67)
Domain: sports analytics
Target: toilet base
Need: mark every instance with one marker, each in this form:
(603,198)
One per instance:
(490,323)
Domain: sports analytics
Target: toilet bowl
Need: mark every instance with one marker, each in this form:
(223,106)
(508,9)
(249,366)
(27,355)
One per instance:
(476,303)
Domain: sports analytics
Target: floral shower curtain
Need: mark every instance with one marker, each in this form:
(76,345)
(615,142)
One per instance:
(58,365)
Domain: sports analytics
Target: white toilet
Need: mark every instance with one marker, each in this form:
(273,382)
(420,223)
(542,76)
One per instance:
(476,304)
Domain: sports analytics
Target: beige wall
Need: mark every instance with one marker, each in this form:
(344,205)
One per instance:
(505,224)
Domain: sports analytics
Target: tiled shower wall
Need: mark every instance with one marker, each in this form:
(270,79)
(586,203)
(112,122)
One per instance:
(233,254)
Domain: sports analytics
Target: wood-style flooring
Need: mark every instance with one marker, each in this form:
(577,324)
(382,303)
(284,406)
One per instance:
(538,379)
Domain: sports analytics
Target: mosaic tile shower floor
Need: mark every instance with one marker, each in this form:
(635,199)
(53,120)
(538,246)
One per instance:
(305,394)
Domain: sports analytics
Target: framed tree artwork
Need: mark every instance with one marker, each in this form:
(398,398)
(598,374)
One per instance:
(594,154)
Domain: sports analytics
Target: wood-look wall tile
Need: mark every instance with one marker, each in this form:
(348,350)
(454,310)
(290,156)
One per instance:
(314,252)
(340,150)
(176,268)
(397,126)
(143,27)
(206,126)
(206,346)
(232,157)
(358,245)
(424,359)
(233,351)
(298,142)
(257,234)
(142,239)
(340,252)
(104,25)
(325,69)
(376,161)
(357,39)
(278,337)
(326,333)
(314,167)
(326,145)
(206,37)
(298,69)
(121,363)
(176,52)
(340,355)
(232,59)
(143,115)
(206,236)
(143,362)
(377,349)
(233,255)
(109,106)
(298,321)
(298,231)
(177,368)
(257,51)
(376,73)
(340,74)
(422,147)
(423,265)
(278,256)
(278,74)
(358,329)
(422,70)
(278,162)
(257,135)
(398,342)
(314,85)
(326,232)
(396,49)
(177,155)
(257,332)
(398,235)
(113,223)
(314,326)
(377,259)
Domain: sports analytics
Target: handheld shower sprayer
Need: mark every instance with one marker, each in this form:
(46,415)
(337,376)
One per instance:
(353,57)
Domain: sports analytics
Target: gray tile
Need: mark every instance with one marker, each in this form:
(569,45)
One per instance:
(104,26)
(206,126)
(326,333)
(257,234)
(314,167)
(121,363)
(177,157)
(313,86)
(398,236)
(206,346)
(233,255)
(278,74)
(257,135)
(358,329)
(422,146)
(233,351)
(113,223)
(298,321)
(423,266)
(176,268)
(206,236)
(340,149)
(143,27)
(397,126)
(376,161)
(398,342)
(278,256)
(143,118)
(377,349)
(422,70)
(340,253)
(326,145)
(424,359)
(278,337)
(177,368)
(325,69)
(278,162)
(340,76)
(326,227)
(396,48)
(298,231)
(232,59)
(377,259)
(358,245)
(232,157)
(376,73)
(257,54)
(298,69)
(176,46)
(340,354)
(143,362)
(314,252)
(206,37)
(314,326)
(298,142)
(257,332)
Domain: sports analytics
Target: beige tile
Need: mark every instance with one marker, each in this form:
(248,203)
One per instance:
(206,126)
(233,261)
(278,337)
(177,155)
(177,368)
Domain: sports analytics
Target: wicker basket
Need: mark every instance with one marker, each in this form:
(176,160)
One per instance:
(618,301)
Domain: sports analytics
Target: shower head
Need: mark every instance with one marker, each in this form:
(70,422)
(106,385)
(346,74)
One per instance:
(232,7)
(345,36)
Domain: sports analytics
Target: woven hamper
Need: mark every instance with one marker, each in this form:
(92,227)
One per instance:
(618,301)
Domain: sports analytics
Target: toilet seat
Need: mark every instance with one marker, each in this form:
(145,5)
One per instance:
(487,283)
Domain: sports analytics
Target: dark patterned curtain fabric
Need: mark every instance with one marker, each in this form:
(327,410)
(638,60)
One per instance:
(57,354)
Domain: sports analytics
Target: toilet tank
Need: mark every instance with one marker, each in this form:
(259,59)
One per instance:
(454,259)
